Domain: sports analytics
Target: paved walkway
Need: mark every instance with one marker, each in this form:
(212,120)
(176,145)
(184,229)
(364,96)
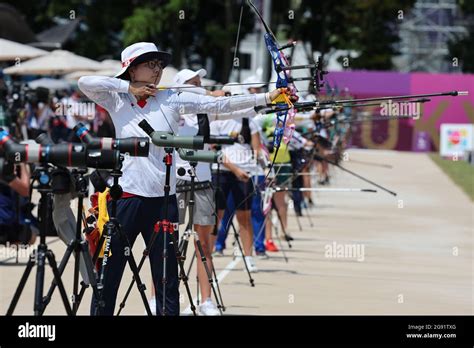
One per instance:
(366,253)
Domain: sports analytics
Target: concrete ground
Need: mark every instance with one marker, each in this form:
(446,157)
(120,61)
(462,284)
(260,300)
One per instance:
(357,253)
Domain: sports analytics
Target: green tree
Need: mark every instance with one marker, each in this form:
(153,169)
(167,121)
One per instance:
(190,28)
(187,28)
(368,27)
(463,47)
(165,22)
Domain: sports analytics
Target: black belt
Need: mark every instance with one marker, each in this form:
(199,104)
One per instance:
(200,185)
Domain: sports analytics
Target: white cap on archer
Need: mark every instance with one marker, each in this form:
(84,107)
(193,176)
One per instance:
(187,74)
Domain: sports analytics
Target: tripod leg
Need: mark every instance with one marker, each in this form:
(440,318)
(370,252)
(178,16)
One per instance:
(21,285)
(218,288)
(191,264)
(182,273)
(62,266)
(141,287)
(197,288)
(38,306)
(146,252)
(299,222)
(75,286)
(57,278)
(91,276)
(133,266)
(77,253)
(164,279)
(183,243)
(183,250)
(112,228)
(308,215)
(237,240)
(81,293)
(107,231)
(208,272)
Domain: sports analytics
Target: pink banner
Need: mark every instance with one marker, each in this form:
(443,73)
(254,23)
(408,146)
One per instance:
(416,135)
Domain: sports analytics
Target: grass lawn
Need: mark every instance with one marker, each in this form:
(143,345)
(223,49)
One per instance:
(461,172)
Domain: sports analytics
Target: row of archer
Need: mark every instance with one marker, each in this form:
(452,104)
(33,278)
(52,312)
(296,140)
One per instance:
(236,178)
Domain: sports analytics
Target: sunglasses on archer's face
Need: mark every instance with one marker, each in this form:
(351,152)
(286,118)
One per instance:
(153,64)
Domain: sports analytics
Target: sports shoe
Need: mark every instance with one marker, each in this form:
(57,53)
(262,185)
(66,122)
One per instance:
(270,246)
(262,255)
(208,308)
(218,253)
(251,264)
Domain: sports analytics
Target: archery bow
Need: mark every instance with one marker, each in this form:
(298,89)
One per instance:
(284,126)
(306,106)
(280,65)
(285,111)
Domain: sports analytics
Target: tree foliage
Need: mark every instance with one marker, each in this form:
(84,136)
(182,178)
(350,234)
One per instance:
(199,32)
(368,27)
(463,47)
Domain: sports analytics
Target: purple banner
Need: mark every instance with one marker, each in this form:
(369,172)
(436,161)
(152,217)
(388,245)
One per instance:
(408,135)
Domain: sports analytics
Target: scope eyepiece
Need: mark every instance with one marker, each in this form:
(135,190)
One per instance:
(165,139)
(133,146)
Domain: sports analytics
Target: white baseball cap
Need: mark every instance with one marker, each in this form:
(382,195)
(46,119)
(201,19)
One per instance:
(187,74)
(141,52)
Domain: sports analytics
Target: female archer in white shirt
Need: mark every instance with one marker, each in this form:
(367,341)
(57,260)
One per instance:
(130,97)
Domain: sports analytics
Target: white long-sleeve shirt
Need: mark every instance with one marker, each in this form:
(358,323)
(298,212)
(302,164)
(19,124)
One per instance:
(239,154)
(188,126)
(145,176)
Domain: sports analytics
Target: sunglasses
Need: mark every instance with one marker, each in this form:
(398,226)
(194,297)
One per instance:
(153,64)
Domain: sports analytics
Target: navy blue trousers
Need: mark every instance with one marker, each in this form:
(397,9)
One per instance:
(139,215)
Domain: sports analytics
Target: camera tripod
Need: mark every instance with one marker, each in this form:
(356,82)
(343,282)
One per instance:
(79,248)
(43,175)
(183,245)
(164,226)
(112,227)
